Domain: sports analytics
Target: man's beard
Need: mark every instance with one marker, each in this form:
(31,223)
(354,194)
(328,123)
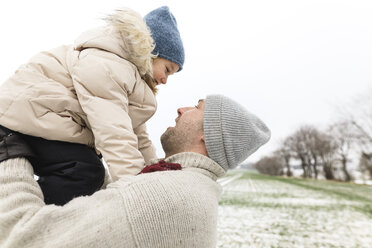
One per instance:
(171,142)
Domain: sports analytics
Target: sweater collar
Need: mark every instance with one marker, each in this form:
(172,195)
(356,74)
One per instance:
(197,162)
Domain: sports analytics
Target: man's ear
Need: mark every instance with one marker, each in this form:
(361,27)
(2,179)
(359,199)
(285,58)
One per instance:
(203,146)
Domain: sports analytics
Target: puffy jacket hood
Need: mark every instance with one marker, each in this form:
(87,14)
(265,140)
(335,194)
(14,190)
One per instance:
(125,35)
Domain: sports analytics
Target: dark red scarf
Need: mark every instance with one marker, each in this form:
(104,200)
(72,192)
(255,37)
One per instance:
(161,166)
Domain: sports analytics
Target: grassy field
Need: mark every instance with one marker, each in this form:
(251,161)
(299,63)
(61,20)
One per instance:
(263,211)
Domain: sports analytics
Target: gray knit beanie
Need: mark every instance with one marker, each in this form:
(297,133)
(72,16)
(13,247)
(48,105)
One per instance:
(164,31)
(231,133)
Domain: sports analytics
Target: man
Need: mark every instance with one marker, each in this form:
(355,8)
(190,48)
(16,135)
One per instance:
(172,207)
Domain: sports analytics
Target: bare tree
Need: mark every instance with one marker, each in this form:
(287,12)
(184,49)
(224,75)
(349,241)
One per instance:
(304,143)
(345,135)
(326,150)
(358,115)
(270,165)
(322,148)
(297,146)
(313,148)
(312,138)
(286,153)
(365,163)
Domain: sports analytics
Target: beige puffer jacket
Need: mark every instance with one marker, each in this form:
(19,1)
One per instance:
(89,93)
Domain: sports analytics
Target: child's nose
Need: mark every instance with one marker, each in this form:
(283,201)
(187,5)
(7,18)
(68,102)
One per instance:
(164,80)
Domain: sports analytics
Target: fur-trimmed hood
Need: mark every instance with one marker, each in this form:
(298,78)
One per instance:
(126,35)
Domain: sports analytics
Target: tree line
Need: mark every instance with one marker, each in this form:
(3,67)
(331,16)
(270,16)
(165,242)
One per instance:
(326,151)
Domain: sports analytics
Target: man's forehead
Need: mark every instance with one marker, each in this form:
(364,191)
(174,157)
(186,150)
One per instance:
(201,101)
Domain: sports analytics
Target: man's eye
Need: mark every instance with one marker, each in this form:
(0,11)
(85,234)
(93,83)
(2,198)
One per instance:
(196,106)
(166,69)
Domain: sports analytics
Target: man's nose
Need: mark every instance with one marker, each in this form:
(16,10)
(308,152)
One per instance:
(181,111)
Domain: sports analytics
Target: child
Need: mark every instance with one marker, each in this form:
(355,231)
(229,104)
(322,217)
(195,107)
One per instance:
(96,95)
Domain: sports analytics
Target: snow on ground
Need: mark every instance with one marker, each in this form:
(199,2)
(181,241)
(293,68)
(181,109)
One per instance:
(273,213)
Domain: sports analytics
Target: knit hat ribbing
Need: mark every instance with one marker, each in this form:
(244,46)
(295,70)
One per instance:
(231,133)
(164,31)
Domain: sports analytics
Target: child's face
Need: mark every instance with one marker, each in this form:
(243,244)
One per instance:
(162,68)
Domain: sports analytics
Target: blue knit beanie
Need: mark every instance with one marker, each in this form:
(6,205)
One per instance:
(164,31)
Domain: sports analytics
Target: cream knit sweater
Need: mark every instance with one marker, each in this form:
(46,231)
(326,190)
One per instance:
(159,209)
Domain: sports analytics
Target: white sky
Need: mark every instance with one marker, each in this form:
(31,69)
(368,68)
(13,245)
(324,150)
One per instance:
(289,62)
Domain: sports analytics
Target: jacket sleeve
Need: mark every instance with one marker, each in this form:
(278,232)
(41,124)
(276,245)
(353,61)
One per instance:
(103,82)
(25,220)
(144,144)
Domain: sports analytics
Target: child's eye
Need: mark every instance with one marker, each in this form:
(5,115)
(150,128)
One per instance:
(196,106)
